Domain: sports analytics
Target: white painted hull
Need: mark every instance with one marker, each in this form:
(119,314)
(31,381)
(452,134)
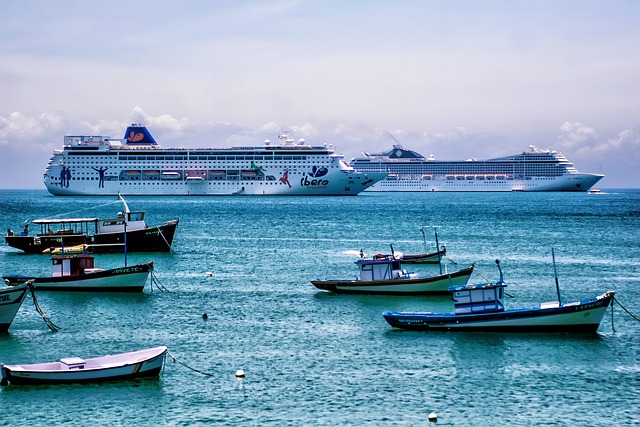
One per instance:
(122,366)
(11,300)
(128,282)
(337,184)
(569,182)
(124,279)
(593,317)
(406,286)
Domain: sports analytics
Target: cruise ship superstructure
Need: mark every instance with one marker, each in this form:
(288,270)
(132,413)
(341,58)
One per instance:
(536,170)
(137,165)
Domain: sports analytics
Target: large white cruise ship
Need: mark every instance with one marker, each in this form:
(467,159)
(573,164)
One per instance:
(136,165)
(536,170)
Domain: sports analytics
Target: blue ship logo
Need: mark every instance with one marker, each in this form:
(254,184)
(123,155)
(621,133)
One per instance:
(317,172)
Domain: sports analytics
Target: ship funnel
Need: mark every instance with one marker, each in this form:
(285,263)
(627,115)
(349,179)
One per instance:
(137,134)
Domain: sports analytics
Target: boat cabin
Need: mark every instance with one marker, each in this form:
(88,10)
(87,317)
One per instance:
(134,221)
(387,268)
(71,265)
(476,299)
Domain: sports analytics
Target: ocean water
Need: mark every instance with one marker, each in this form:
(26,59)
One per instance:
(313,358)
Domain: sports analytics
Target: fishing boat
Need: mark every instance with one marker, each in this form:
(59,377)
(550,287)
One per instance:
(125,366)
(78,273)
(422,258)
(481,308)
(386,276)
(11,300)
(95,234)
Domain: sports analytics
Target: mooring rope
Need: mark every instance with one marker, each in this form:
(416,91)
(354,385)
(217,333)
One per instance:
(165,240)
(189,367)
(47,322)
(625,309)
(156,281)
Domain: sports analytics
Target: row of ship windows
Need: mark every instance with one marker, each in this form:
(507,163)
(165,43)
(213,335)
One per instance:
(191,162)
(183,183)
(461,170)
(223,158)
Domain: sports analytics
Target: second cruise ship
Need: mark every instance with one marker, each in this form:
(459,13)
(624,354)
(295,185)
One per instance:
(536,170)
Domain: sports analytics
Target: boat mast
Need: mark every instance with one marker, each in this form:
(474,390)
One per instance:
(125,242)
(126,218)
(435,230)
(555,272)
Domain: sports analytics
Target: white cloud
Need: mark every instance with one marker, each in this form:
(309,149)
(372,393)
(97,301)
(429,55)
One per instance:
(575,135)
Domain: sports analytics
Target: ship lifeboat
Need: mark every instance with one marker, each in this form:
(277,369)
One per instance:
(194,179)
(171,175)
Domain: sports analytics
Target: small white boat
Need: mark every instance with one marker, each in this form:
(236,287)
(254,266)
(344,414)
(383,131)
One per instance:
(11,300)
(386,276)
(124,366)
(77,273)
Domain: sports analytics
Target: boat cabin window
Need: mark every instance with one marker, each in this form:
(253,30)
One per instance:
(136,216)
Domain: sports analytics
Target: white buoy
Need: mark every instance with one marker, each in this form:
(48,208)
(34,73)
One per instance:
(240,373)
(433,417)
(208,274)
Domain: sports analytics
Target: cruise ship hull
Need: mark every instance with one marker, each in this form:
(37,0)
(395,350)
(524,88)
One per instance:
(339,184)
(575,183)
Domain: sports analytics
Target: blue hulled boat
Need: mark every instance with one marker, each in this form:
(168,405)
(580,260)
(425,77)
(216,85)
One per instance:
(481,308)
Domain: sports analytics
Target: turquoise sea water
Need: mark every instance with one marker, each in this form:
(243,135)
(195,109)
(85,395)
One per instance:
(319,359)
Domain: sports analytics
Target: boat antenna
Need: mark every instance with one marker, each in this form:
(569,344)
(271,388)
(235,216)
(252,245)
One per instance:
(424,239)
(501,280)
(391,249)
(435,230)
(555,272)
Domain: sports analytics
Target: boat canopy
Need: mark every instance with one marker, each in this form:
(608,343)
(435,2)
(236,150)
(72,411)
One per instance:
(475,299)
(63,221)
(387,268)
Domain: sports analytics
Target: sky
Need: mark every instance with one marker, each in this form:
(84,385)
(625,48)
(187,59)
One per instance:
(458,79)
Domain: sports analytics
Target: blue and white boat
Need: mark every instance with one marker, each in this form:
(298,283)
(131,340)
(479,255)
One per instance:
(481,308)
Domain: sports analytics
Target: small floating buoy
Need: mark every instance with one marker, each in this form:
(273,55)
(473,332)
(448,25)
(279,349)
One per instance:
(208,274)
(433,417)
(240,373)
(205,316)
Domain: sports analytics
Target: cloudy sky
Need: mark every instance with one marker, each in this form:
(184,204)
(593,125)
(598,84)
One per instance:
(455,78)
